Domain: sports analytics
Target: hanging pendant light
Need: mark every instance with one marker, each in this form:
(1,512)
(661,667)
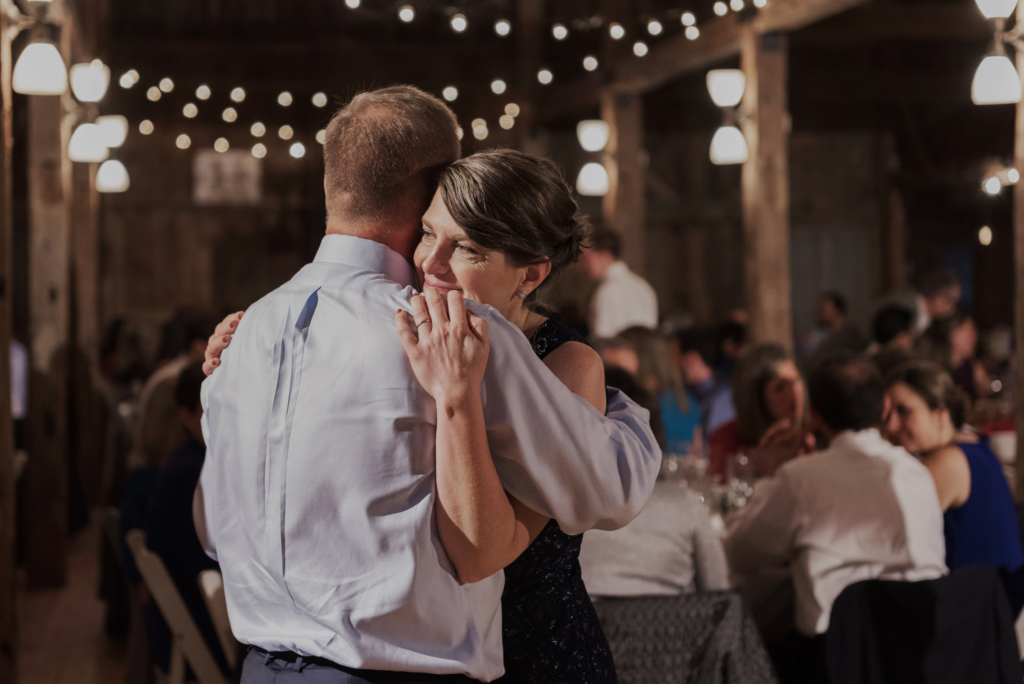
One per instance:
(86,144)
(729,146)
(112,177)
(593,180)
(89,81)
(726,86)
(996,82)
(997,9)
(40,70)
(114,129)
(592,134)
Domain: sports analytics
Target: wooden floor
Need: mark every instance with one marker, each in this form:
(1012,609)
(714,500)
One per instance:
(61,637)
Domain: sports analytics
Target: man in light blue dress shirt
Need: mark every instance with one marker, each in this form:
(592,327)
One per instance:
(317,496)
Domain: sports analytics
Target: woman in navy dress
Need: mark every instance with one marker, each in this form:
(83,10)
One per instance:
(927,413)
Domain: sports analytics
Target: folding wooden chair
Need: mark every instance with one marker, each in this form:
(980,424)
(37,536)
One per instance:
(187,645)
(211,585)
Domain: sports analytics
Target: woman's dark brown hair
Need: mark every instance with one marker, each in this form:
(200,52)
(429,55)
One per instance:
(516,204)
(934,385)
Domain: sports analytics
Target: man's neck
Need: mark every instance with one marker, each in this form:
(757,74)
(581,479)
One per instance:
(401,239)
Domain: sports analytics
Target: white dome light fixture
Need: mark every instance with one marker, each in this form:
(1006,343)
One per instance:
(592,134)
(729,147)
(86,145)
(996,82)
(726,86)
(40,70)
(997,9)
(114,129)
(593,180)
(112,176)
(89,81)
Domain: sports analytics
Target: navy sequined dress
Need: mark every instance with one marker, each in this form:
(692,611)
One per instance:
(550,630)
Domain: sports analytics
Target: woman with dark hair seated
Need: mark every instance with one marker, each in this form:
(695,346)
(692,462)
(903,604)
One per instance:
(926,418)
(771,413)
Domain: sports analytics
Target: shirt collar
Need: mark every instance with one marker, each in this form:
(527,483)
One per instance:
(616,270)
(363,253)
(866,441)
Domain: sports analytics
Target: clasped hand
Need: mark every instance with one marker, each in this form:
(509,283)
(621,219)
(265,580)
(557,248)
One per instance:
(449,349)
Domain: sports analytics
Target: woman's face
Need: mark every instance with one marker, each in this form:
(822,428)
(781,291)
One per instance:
(911,424)
(446,259)
(963,340)
(784,394)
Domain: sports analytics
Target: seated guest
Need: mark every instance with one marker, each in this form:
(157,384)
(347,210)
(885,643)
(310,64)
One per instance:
(770,400)
(619,353)
(951,342)
(170,530)
(732,337)
(835,332)
(696,356)
(861,509)
(669,549)
(926,419)
(658,373)
(892,328)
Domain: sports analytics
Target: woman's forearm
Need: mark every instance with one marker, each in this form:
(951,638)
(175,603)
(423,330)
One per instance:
(475,519)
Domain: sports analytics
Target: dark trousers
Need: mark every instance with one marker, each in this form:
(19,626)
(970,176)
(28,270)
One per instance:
(263,668)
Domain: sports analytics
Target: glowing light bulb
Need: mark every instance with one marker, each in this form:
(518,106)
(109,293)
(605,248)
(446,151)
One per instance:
(166,85)
(222,145)
(153,94)
(126,81)
(478,122)
(320,100)
(459,23)
(114,129)
(996,82)
(258,130)
(692,33)
(237,95)
(89,81)
(459,132)
(112,177)
(145,127)
(183,142)
(688,19)
(760,3)
(559,32)
(480,132)
(639,48)
(190,110)
(1012,175)
(654,27)
(736,5)
(726,86)
(259,150)
(285,132)
(321,136)
(203,92)
(502,27)
(590,63)
(229,115)
(40,70)
(498,86)
(512,109)
(298,150)
(592,134)
(997,9)
(506,122)
(406,13)
(729,146)
(284,99)
(721,9)
(993,185)
(985,236)
(545,76)
(616,31)
(352,4)
(86,144)
(451,93)
(592,180)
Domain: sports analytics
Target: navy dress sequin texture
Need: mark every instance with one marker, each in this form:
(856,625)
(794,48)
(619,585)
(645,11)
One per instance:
(550,630)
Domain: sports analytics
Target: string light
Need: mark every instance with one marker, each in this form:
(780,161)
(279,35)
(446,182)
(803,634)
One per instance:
(459,132)
(502,27)
(654,27)
(183,142)
(320,100)
(203,92)
(258,130)
(145,127)
(237,95)
(285,132)
(451,93)
(760,3)
(459,23)
(545,76)
(352,4)
(590,63)
(480,132)
(985,236)
(498,86)
(512,109)
(737,5)
(259,150)
(222,145)
(1012,175)
(190,110)
(692,32)
(284,99)
(126,81)
(639,48)
(721,9)
(478,122)
(559,32)
(134,74)
(688,19)
(298,150)
(229,115)
(406,13)
(321,136)
(153,94)
(993,185)
(166,85)
(616,31)
(506,122)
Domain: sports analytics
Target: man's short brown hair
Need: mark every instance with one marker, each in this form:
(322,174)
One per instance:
(384,152)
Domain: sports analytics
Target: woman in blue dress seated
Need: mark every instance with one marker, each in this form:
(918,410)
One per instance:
(926,418)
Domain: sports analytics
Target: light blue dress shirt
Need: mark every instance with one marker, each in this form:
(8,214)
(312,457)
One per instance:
(319,479)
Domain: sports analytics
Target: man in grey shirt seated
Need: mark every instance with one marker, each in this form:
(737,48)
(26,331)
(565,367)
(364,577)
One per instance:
(669,549)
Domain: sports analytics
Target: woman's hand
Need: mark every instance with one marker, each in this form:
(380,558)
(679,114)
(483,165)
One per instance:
(220,340)
(448,354)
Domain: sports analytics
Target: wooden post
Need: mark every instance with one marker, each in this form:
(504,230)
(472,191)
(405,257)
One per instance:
(1018,266)
(625,160)
(766,188)
(8,620)
(46,482)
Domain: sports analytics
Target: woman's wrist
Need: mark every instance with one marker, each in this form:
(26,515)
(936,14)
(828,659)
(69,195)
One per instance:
(459,401)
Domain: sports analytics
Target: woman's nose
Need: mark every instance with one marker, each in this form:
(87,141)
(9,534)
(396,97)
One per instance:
(435,262)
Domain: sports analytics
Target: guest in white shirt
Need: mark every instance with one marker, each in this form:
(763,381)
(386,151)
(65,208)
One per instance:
(318,491)
(862,509)
(623,299)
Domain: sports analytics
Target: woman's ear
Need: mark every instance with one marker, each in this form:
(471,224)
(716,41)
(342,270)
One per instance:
(535,275)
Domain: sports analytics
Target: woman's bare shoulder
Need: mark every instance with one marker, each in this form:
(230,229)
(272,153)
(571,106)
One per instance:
(581,369)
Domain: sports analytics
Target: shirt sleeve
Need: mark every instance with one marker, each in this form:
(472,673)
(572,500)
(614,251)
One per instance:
(762,535)
(553,450)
